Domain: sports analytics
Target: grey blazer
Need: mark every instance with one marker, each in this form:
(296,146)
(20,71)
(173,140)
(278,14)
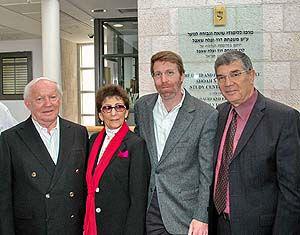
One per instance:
(184,172)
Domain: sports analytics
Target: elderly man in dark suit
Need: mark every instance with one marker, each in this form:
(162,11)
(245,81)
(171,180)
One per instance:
(257,172)
(42,168)
(179,131)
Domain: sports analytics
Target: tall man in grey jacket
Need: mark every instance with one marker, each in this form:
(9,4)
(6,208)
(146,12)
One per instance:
(179,131)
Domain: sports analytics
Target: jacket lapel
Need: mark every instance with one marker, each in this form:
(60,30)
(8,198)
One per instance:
(121,148)
(254,119)
(149,126)
(33,141)
(182,122)
(223,115)
(66,138)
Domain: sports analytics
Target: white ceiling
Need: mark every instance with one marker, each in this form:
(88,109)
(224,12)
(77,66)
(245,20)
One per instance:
(21,19)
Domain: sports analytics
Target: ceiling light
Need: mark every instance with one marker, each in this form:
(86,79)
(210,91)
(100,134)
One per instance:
(118,25)
(98,10)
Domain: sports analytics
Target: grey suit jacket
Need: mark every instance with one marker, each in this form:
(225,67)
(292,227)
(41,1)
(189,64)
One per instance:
(36,196)
(264,175)
(183,174)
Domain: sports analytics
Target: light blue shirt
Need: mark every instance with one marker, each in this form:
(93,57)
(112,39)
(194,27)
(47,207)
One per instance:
(163,122)
(51,140)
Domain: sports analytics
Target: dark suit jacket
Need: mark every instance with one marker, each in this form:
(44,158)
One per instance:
(37,197)
(122,196)
(264,175)
(183,175)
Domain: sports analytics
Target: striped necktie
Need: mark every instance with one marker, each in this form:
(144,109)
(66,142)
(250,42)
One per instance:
(222,181)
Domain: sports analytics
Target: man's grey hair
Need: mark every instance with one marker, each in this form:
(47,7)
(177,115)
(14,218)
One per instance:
(231,56)
(27,89)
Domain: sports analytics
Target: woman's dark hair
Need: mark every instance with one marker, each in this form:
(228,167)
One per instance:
(111,91)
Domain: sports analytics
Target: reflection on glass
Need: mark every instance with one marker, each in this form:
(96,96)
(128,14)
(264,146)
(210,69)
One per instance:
(122,40)
(132,92)
(122,71)
(120,58)
(111,73)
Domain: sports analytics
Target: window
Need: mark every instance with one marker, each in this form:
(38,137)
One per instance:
(87,84)
(15,73)
(116,42)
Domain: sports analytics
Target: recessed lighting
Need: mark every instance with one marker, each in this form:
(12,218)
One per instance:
(118,25)
(98,10)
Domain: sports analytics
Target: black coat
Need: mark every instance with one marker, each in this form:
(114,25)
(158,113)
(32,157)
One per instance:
(36,196)
(123,188)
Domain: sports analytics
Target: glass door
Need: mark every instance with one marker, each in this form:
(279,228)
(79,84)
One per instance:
(116,56)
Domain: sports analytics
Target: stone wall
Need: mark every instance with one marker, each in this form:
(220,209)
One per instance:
(70,104)
(158,21)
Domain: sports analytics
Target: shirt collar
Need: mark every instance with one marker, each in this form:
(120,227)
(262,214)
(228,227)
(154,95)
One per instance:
(111,132)
(161,104)
(41,128)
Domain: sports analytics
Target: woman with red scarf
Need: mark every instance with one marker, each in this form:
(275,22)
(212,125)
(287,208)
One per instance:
(118,171)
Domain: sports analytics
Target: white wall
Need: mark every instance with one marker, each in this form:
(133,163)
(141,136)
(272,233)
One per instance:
(17,107)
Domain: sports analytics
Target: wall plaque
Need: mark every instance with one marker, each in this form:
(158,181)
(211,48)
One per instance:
(200,42)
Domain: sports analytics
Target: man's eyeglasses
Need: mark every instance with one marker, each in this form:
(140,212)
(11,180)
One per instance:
(232,75)
(167,73)
(109,108)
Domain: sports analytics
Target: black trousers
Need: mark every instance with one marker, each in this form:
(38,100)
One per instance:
(154,223)
(223,227)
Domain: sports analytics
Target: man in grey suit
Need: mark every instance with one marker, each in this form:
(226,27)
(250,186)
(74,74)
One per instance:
(42,168)
(179,131)
(257,177)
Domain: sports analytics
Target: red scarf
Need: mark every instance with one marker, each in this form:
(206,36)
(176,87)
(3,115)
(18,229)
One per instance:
(90,226)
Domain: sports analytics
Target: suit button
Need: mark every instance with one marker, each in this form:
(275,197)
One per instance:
(33,174)
(97,190)
(98,210)
(72,216)
(47,195)
(77,170)
(156,171)
(71,194)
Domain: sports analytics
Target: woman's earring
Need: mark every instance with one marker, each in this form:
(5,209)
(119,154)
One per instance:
(100,121)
